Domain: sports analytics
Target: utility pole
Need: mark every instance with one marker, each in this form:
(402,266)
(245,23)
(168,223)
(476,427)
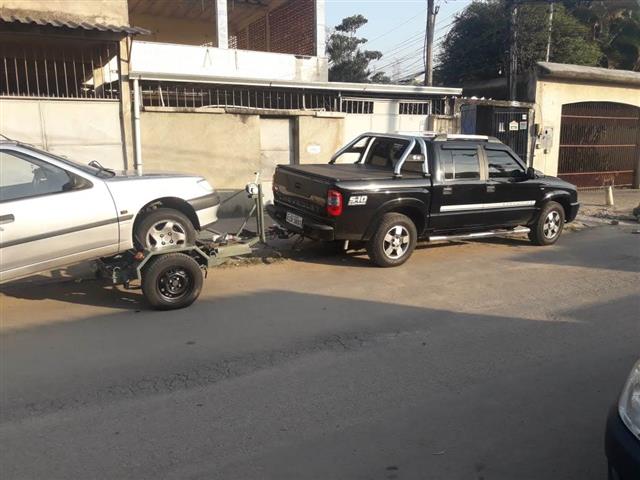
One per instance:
(513,50)
(432,11)
(549,31)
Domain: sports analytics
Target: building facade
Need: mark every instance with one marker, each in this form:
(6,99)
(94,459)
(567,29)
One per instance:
(223,88)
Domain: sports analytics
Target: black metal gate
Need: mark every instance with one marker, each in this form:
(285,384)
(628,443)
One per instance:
(599,144)
(511,127)
(509,124)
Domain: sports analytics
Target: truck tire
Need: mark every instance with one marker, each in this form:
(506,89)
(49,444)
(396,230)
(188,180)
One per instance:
(393,241)
(164,228)
(171,281)
(548,226)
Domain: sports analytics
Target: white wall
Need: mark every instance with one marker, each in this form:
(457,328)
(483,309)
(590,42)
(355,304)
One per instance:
(81,130)
(149,58)
(384,119)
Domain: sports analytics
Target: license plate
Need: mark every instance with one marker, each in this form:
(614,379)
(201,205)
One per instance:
(295,220)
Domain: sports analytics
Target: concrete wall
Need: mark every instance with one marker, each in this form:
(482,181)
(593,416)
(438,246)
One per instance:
(113,12)
(225,147)
(80,130)
(150,58)
(318,138)
(551,95)
(176,30)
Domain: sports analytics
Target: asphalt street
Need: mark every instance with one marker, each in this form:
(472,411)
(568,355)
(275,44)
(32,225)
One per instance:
(480,360)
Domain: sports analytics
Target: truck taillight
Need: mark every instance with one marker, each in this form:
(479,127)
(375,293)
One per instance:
(334,203)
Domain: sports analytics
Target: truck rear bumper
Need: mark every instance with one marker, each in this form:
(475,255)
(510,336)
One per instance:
(310,227)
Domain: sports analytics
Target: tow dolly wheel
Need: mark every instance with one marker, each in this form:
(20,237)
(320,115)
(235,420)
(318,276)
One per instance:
(171,281)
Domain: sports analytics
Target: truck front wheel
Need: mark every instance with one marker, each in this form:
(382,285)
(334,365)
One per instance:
(393,241)
(171,281)
(548,226)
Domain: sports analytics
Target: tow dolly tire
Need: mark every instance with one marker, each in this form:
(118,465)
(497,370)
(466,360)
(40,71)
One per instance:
(399,228)
(171,281)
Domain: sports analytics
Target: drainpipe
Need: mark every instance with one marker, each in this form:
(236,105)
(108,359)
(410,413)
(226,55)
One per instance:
(137,162)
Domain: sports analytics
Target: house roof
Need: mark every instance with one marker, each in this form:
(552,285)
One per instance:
(360,88)
(590,74)
(36,18)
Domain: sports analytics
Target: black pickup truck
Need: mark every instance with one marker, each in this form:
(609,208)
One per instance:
(390,190)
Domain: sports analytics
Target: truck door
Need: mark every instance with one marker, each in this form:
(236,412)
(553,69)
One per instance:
(459,188)
(511,196)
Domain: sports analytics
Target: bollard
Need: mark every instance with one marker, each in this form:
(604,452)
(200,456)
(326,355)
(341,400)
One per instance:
(609,196)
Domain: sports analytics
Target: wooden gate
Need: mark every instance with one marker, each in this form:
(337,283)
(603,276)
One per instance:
(599,144)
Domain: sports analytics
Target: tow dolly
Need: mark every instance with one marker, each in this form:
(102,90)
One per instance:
(172,278)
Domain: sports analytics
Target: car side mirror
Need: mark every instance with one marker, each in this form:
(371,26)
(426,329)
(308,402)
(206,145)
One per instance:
(531,173)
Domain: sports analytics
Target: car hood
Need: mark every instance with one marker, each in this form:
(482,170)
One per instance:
(123,175)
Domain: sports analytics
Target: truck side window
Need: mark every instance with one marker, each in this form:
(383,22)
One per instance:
(503,165)
(446,164)
(466,164)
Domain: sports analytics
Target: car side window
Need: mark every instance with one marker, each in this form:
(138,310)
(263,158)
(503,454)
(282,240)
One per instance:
(466,164)
(24,178)
(503,165)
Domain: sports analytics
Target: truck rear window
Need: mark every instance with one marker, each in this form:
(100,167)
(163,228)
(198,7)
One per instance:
(385,152)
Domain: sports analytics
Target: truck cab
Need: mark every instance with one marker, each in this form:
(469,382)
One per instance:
(390,190)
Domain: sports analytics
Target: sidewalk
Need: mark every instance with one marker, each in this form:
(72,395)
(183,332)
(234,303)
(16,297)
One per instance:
(593,204)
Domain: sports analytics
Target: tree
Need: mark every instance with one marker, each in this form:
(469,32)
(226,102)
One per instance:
(615,26)
(348,62)
(477,46)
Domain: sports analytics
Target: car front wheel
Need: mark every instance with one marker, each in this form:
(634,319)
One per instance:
(393,241)
(164,228)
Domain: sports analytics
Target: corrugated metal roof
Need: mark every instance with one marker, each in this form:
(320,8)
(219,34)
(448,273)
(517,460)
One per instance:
(9,17)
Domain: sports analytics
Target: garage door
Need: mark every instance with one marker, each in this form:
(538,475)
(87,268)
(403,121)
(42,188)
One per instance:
(276,148)
(599,144)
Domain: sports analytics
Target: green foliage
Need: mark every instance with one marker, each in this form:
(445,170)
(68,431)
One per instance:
(615,26)
(348,62)
(477,46)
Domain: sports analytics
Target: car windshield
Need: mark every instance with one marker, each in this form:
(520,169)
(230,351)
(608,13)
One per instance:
(90,169)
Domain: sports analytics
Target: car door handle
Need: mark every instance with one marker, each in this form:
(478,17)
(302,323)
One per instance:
(491,188)
(7,219)
(447,190)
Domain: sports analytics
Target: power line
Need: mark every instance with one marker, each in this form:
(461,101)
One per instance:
(394,28)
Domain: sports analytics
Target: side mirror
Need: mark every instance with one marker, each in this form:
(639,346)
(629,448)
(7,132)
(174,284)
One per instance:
(531,173)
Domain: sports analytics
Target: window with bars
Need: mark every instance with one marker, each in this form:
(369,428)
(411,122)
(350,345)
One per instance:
(414,108)
(58,68)
(356,106)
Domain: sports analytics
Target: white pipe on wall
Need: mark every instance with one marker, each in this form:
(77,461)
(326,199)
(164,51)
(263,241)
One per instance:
(136,127)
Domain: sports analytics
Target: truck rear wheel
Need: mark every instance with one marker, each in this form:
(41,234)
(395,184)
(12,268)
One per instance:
(171,281)
(393,241)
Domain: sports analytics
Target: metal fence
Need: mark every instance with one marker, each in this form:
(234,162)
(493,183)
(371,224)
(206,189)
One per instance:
(599,143)
(55,68)
(199,95)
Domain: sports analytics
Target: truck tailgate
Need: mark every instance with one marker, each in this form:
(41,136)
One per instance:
(300,190)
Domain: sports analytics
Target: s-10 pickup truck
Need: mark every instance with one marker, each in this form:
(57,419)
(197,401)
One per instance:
(390,190)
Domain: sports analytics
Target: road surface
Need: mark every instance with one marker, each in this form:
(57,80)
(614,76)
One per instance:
(480,360)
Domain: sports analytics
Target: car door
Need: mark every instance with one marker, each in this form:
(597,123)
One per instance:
(51,217)
(511,196)
(459,189)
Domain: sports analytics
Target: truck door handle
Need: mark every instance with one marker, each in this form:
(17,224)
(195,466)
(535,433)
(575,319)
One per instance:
(491,188)
(447,190)
(7,219)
